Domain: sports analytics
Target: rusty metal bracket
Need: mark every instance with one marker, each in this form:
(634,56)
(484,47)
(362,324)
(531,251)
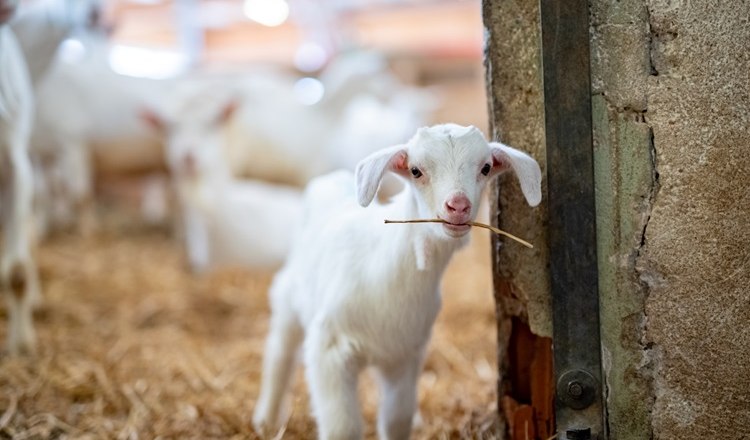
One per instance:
(572,218)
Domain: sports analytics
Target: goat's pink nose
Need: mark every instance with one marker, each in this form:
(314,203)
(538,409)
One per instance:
(458,204)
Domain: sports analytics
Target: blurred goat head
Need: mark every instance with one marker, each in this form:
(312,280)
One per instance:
(193,137)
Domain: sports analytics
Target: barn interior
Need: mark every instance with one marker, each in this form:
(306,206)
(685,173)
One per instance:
(135,341)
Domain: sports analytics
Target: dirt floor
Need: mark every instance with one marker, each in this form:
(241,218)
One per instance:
(133,346)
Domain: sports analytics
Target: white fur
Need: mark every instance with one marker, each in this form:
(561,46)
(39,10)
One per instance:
(238,223)
(359,112)
(62,172)
(361,293)
(17,268)
(364,107)
(42,25)
(104,135)
(227,221)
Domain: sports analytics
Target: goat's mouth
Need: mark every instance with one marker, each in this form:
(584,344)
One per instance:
(455,229)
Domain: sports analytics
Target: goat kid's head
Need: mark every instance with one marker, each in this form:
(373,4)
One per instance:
(193,138)
(448,166)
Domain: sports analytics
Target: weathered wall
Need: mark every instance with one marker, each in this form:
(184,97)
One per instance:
(671,114)
(695,262)
(671,100)
(516,111)
(626,184)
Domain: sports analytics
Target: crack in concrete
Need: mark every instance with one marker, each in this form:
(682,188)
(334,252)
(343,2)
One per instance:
(648,368)
(653,190)
(642,277)
(652,37)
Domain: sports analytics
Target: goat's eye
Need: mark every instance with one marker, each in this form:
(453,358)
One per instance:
(416,173)
(486,169)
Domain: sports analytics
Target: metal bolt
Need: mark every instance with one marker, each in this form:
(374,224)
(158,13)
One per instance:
(575,390)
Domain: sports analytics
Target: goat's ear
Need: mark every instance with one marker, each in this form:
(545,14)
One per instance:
(526,169)
(227,111)
(370,171)
(153,120)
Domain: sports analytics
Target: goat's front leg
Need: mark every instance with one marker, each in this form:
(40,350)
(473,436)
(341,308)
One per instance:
(398,401)
(196,241)
(332,371)
(80,181)
(18,270)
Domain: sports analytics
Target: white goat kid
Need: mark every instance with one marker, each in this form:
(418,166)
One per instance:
(17,269)
(227,221)
(361,293)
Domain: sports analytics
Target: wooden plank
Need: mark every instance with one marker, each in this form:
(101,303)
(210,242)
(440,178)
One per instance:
(524,427)
(572,219)
(543,388)
(521,353)
(530,380)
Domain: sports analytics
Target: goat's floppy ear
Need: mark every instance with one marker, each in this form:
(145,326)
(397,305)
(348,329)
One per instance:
(370,171)
(227,111)
(153,120)
(526,169)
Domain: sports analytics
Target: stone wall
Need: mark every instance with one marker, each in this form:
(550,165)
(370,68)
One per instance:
(517,118)
(671,100)
(516,111)
(695,259)
(626,183)
(671,116)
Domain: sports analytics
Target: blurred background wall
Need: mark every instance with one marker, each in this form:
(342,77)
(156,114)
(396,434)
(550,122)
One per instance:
(426,42)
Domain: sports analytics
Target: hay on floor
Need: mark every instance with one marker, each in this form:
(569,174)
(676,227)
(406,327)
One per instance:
(133,346)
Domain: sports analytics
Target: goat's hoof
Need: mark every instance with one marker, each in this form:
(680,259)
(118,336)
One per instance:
(37,302)
(263,427)
(23,347)
(417,422)
(17,281)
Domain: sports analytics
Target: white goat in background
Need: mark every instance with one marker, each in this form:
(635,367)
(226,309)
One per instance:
(361,293)
(275,137)
(61,171)
(18,271)
(272,136)
(42,25)
(104,135)
(227,221)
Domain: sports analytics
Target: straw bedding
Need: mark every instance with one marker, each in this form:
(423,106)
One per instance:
(133,346)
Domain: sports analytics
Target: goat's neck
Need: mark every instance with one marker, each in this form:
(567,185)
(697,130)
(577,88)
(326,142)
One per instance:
(40,31)
(218,179)
(10,92)
(427,250)
(205,191)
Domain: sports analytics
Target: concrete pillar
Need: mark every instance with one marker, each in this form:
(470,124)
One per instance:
(671,117)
